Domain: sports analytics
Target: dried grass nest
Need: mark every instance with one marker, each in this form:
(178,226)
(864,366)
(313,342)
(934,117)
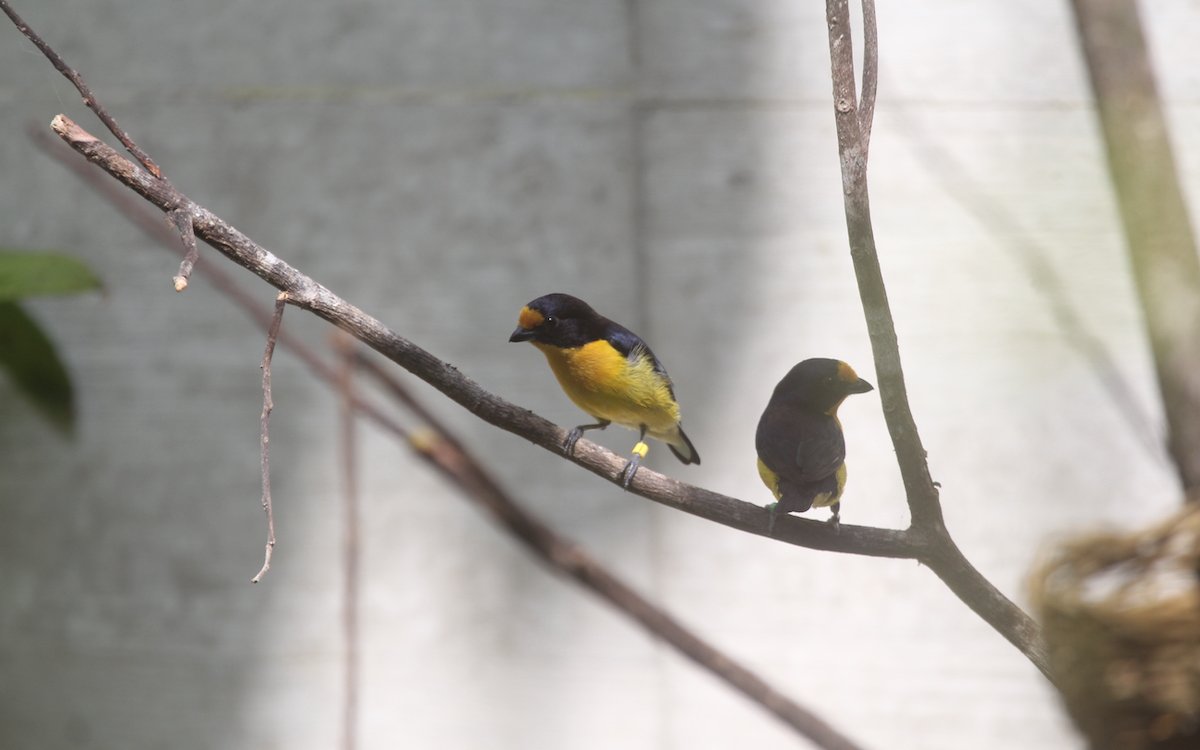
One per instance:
(1121,620)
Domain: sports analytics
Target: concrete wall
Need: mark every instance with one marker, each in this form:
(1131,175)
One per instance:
(441,163)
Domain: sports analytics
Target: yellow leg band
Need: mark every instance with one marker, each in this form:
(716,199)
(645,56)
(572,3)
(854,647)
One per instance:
(641,449)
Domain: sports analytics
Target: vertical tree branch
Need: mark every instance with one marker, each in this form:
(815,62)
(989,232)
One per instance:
(853,133)
(941,554)
(1158,230)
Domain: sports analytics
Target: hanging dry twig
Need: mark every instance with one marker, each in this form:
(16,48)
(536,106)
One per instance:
(265,424)
(570,559)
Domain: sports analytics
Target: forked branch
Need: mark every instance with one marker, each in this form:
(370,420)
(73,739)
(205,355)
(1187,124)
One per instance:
(853,121)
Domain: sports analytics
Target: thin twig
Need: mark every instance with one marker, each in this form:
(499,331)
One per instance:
(265,423)
(942,555)
(870,76)
(182,221)
(88,98)
(446,454)
(344,345)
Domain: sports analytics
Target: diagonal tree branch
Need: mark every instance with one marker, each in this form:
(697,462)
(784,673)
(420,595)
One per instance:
(305,293)
(88,97)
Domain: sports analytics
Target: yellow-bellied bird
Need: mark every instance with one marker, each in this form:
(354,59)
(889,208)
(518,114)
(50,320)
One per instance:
(801,450)
(608,371)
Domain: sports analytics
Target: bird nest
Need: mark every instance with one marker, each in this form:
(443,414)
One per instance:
(1121,619)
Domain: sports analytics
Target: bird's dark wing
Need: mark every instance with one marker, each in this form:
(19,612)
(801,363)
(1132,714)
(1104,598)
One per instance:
(821,453)
(800,447)
(621,338)
(629,343)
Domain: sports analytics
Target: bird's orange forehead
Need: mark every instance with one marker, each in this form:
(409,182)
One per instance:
(846,373)
(530,319)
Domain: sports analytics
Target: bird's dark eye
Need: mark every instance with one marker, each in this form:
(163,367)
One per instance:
(550,321)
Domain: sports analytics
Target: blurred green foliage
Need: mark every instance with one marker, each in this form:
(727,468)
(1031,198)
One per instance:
(26,352)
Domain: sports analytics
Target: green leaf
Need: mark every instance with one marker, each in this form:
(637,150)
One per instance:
(32,362)
(26,274)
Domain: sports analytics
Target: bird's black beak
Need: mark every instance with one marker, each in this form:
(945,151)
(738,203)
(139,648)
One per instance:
(861,386)
(522,334)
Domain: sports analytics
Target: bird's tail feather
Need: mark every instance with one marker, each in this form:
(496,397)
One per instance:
(682,447)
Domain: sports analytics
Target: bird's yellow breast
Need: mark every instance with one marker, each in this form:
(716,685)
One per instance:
(608,385)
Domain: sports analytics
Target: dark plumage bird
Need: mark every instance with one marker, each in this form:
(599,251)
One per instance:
(608,371)
(801,450)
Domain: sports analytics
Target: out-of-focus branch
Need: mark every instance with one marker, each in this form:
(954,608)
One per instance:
(853,132)
(351,558)
(954,176)
(1158,230)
